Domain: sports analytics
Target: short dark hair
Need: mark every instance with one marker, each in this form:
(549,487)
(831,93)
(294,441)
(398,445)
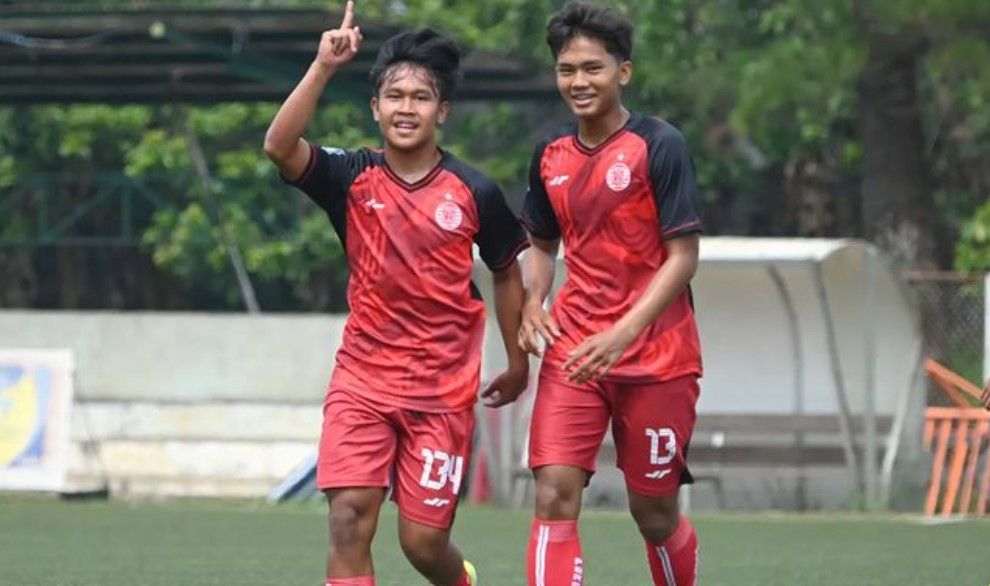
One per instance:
(584,19)
(426,48)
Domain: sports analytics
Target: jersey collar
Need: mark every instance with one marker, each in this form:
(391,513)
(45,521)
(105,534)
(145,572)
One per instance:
(596,149)
(422,182)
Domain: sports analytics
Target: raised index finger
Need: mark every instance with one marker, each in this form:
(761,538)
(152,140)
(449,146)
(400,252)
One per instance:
(348,15)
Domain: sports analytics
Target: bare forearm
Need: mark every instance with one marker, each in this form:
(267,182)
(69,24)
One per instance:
(509,295)
(539,264)
(294,116)
(669,282)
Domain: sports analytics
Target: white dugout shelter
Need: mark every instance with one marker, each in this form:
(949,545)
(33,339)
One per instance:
(812,350)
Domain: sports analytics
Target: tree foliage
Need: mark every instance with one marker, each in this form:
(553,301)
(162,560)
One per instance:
(768,92)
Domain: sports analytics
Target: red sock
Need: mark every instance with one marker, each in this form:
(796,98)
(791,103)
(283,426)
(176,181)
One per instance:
(554,554)
(359,581)
(675,561)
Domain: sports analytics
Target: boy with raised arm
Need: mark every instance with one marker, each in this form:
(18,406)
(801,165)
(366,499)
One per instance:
(399,408)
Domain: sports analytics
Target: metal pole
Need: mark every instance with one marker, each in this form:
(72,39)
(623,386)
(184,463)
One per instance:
(845,416)
(986,326)
(893,444)
(797,357)
(869,367)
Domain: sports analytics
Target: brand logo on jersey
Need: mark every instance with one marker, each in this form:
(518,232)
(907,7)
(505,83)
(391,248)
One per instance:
(657,474)
(373,204)
(448,214)
(618,176)
(436,502)
(558,180)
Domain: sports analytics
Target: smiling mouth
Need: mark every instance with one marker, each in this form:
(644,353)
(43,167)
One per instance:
(582,99)
(405,127)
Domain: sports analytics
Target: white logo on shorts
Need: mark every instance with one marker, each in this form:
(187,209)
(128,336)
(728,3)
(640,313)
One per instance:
(658,474)
(436,502)
(448,214)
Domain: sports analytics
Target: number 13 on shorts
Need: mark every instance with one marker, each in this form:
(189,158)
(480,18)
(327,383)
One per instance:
(663,445)
(440,468)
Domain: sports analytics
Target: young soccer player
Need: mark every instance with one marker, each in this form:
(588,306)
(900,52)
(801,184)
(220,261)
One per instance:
(399,409)
(621,341)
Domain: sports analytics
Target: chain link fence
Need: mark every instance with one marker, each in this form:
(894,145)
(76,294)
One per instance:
(952,308)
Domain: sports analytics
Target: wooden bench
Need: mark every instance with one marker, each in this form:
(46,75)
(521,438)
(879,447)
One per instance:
(724,441)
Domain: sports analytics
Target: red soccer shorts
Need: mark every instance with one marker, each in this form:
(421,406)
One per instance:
(651,425)
(364,441)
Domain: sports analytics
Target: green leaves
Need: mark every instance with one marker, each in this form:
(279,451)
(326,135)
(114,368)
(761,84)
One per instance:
(758,87)
(973,247)
(282,237)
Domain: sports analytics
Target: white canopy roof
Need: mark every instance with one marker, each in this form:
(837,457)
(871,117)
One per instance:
(734,249)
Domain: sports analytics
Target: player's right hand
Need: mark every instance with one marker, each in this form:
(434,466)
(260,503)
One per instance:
(340,45)
(536,323)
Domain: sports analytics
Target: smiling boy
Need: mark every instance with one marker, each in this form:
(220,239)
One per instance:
(399,408)
(618,189)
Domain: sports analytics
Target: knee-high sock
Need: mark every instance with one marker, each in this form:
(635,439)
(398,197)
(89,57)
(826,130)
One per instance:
(675,561)
(554,554)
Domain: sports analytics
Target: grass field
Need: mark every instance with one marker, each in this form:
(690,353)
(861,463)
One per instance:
(51,543)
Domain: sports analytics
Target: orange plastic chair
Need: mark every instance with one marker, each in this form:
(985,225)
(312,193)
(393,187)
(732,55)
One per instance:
(960,439)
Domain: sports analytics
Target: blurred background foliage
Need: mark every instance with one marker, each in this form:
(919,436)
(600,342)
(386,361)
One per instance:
(824,118)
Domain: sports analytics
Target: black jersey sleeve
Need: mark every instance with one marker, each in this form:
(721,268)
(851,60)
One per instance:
(674,187)
(537,214)
(328,174)
(328,177)
(500,237)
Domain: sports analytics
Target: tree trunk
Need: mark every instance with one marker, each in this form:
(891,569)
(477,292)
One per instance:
(898,208)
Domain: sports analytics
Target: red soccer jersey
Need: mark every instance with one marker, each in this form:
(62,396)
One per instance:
(615,206)
(413,337)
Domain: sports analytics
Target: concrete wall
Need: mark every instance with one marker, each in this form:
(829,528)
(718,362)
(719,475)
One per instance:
(228,404)
(194,404)
(141,448)
(187,404)
(185,357)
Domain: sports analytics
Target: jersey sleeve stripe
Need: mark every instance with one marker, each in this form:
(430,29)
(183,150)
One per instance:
(686,228)
(310,165)
(509,258)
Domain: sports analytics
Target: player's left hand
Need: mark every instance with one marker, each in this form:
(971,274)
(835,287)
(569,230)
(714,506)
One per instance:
(506,387)
(596,354)
(985,399)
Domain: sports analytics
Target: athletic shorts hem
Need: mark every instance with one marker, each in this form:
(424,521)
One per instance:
(535,463)
(433,522)
(351,483)
(651,491)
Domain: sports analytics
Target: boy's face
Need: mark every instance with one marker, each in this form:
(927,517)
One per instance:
(408,108)
(589,77)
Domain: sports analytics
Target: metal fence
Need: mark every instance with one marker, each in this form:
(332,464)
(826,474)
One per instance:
(952,309)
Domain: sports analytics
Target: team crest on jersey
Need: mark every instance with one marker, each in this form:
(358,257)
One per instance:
(448,214)
(618,176)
